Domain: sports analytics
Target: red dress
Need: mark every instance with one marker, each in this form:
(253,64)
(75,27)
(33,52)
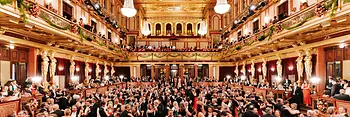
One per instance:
(306,94)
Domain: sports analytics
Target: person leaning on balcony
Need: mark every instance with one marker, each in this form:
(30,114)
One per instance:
(81,22)
(275,20)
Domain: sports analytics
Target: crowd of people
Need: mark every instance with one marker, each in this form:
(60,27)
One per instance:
(168,98)
(148,48)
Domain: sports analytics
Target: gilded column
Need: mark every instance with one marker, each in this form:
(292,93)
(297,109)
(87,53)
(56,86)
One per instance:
(167,71)
(152,72)
(237,71)
(243,69)
(86,70)
(72,67)
(279,67)
(308,63)
(264,68)
(97,70)
(52,66)
(252,69)
(44,67)
(181,73)
(300,66)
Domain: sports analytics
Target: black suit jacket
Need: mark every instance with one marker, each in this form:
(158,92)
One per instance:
(342,97)
(297,95)
(335,89)
(250,114)
(58,113)
(268,115)
(124,114)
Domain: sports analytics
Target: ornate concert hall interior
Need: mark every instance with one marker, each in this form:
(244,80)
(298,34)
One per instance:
(174,58)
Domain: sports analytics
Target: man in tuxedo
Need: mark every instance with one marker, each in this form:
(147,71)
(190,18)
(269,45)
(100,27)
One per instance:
(297,94)
(159,108)
(57,111)
(126,112)
(286,83)
(342,96)
(335,88)
(252,112)
(75,112)
(268,112)
(279,104)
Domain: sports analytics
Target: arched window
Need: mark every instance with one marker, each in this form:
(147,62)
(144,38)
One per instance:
(168,29)
(178,29)
(189,29)
(158,29)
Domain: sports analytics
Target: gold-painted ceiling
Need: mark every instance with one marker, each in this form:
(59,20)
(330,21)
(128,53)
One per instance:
(156,8)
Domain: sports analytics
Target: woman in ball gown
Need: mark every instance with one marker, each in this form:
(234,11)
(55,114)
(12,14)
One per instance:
(306,92)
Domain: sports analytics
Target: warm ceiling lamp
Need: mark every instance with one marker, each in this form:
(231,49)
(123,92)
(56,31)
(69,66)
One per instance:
(145,30)
(202,28)
(221,6)
(129,10)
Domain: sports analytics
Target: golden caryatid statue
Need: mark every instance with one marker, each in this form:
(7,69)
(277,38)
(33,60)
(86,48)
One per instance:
(264,68)
(279,67)
(105,70)
(243,69)
(44,65)
(97,70)
(72,67)
(86,69)
(300,66)
(53,65)
(252,70)
(308,63)
(112,69)
(236,70)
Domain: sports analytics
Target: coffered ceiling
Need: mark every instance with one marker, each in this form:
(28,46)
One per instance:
(156,8)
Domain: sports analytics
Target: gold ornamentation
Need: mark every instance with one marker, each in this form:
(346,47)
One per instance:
(264,68)
(52,65)
(86,69)
(243,68)
(308,63)
(97,71)
(300,66)
(252,68)
(44,65)
(236,70)
(72,67)
(279,67)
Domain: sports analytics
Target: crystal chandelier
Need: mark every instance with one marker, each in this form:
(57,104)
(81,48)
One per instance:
(128,10)
(145,30)
(202,28)
(221,7)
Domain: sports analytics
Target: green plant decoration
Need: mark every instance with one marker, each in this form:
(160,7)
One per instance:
(82,35)
(111,47)
(296,25)
(238,47)
(53,24)
(334,7)
(23,8)
(5,2)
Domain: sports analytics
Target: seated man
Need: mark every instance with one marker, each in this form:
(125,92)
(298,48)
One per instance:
(342,95)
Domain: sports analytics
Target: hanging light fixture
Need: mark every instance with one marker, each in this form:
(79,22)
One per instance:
(202,28)
(128,10)
(145,30)
(221,6)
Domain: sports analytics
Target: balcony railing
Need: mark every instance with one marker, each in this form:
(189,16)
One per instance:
(70,27)
(174,56)
(289,23)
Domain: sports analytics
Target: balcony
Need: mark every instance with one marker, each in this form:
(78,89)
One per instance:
(175,56)
(37,22)
(304,27)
